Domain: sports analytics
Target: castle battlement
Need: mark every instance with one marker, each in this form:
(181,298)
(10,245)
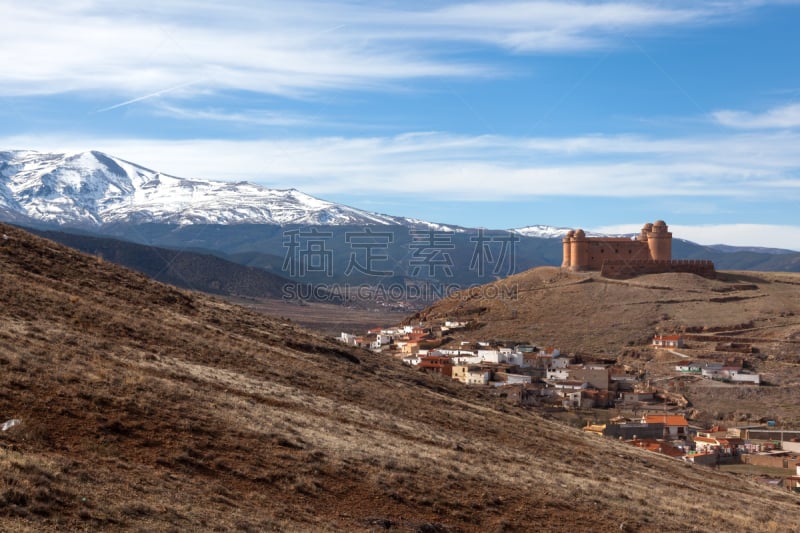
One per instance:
(650,252)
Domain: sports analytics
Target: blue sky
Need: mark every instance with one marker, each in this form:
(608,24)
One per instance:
(602,115)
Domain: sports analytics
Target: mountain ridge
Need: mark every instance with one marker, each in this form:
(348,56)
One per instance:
(110,196)
(93,189)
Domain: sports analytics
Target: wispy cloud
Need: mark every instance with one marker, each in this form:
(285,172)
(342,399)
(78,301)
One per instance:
(745,166)
(293,49)
(783,117)
(146,97)
(765,235)
(248,116)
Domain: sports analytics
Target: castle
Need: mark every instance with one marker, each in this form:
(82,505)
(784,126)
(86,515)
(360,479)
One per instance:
(650,252)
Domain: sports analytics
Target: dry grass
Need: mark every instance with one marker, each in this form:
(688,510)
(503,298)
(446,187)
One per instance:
(147,408)
(329,319)
(594,317)
(587,313)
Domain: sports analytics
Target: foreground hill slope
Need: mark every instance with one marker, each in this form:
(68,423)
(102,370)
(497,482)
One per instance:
(144,407)
(584,312)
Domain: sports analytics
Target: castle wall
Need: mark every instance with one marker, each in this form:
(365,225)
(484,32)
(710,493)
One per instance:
(600,250)
(619,257)
(617,269)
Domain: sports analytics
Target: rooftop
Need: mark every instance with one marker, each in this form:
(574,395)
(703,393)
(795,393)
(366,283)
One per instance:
(667,420)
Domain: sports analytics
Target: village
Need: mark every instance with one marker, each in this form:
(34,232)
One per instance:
(646,413)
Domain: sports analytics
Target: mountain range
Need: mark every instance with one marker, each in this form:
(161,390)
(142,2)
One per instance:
(90,189)
(98,195)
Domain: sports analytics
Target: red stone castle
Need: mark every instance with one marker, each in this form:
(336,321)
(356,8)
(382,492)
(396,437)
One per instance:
(650,252)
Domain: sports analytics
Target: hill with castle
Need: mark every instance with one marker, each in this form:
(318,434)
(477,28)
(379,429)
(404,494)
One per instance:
(132,405)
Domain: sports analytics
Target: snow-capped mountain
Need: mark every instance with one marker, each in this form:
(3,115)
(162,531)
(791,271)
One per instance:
(92,188)
(549,232)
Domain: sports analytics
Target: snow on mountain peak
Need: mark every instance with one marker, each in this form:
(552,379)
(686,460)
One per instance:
(547,232)
(93,188)
(551,232)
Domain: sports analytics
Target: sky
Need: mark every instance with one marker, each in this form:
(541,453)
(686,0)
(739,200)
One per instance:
(496,114)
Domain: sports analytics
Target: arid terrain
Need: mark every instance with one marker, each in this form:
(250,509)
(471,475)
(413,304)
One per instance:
(614,320)
(325,318)
(584,312)
(143,407)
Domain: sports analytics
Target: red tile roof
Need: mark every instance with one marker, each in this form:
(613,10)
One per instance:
(657,446)
(667,420)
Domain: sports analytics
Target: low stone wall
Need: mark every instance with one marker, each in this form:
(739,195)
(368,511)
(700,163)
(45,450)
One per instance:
(789,463)
(770,434)
(619,269)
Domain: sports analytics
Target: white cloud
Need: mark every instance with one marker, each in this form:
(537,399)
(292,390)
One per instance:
(758,167)
(676,175)
(132,49)
(763,235)
(247,116)
(784,117)
(559,26)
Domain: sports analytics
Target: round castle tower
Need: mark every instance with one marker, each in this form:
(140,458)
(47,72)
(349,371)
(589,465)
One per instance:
(646,230)
(660,242)
(567,241)
(579,251)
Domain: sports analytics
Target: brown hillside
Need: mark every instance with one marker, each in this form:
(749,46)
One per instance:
(148,408)
(584,312)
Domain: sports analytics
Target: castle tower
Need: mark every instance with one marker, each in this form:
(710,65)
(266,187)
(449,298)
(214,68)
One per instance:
(579,251)
(646,230)
(567,240)
(659,241)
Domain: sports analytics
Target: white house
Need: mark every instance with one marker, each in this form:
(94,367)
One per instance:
(514,379)
(742,377)
(468,360)
(557,374)
(690,367)
(464,353)
(733,373)
(381,339)
(501,355)
(560,361)
(668,341)
(471,375)
(412,360)
(491,356)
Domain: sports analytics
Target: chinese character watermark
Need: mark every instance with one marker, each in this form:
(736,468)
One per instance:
(482,253)
(307,252)
(428,251)
(372,243)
